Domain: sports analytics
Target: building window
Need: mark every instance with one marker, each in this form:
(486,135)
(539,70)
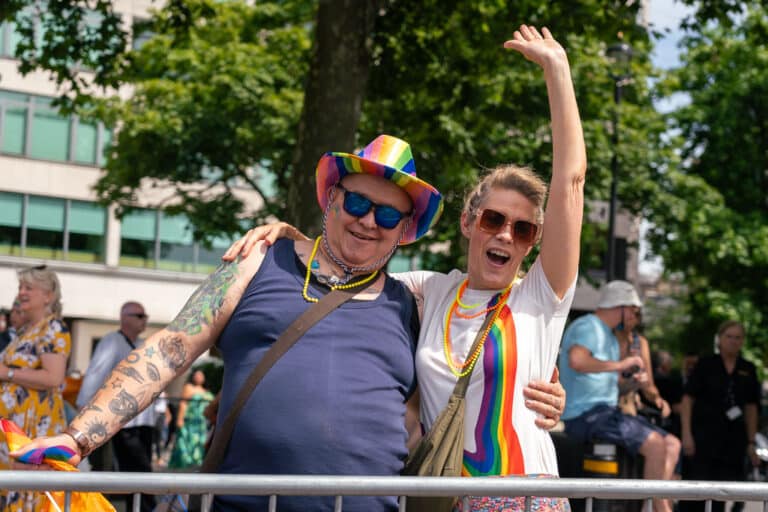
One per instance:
(137,239)
(11,214)
(176,245)
(50,133)
(13,111)
(51,228)
(45,228)
(31,127)
(9,39)
(153,239)
(86,226)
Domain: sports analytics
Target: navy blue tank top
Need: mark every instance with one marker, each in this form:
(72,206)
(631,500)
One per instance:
(334,404)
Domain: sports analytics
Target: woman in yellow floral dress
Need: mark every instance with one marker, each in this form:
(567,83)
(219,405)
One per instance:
(32,372)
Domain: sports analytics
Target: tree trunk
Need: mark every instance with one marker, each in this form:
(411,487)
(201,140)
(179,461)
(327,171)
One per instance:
(333,98)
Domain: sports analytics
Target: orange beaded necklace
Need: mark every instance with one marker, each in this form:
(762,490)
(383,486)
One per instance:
(459,304)
(460,370)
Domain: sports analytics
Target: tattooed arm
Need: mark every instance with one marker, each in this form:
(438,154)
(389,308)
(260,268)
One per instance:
(145,372)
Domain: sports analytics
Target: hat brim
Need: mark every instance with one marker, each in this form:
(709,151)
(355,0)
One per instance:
(427,201)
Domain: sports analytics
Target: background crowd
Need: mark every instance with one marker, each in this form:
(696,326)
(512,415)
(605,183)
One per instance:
(34,384)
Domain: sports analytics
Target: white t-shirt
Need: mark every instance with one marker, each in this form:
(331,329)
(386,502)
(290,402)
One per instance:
(500,437)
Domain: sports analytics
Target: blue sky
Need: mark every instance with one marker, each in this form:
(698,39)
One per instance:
(666,14)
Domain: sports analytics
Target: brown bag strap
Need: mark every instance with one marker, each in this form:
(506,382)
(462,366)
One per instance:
(463,383)
(291,335)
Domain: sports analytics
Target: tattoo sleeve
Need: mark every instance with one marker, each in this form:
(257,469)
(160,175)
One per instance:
(144,373)
(204,305)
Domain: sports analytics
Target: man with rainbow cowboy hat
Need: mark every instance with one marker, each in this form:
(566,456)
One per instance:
(335,402)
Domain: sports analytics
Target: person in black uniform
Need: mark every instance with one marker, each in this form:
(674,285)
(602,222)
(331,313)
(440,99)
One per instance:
(719,414)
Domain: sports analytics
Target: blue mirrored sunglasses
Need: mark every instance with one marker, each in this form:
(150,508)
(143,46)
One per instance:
(357,205)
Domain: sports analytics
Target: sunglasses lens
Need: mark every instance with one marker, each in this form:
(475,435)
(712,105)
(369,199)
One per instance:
(492,221)
(387,217)
(525,231)
(356,204)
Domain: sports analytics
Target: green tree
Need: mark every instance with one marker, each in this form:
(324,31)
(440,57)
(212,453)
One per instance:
(224,89)
(217,103)
(223,93)
(442,81)
(714,229)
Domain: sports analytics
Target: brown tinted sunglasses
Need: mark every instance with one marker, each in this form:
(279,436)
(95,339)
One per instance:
(492,221)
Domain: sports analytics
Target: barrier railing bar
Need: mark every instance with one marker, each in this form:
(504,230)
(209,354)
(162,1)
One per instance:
(402,503)
(337,504)
(708,506)
(304,485)
(648,504)
(588,505)
(272,503)
(527,504)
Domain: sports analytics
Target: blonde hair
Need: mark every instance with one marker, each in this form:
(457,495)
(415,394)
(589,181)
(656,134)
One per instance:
(46,279)
(508,177)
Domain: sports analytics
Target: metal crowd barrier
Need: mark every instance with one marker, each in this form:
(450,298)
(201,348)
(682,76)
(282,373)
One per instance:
(339,486)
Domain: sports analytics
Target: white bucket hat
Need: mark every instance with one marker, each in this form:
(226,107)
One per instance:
(618,293)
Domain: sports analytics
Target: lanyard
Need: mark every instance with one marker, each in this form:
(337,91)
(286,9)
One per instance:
(133,347)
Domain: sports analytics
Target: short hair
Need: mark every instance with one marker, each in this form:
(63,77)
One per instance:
(508,177)
(126,305)
(728,324)
(48,280)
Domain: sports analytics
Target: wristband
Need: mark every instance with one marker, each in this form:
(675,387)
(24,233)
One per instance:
(81,440)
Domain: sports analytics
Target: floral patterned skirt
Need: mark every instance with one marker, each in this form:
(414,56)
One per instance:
(513,504)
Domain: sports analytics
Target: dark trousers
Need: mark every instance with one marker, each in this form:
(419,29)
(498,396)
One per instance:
(133,452)
(705,468)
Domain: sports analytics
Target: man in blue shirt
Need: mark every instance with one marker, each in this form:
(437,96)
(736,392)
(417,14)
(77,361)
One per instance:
(590,370)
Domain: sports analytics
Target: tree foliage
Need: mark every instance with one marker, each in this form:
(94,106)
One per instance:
(442,80)
(714,229)
(220,90)
(217,103)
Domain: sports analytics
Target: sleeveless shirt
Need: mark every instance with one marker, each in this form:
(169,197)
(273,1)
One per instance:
(334,404)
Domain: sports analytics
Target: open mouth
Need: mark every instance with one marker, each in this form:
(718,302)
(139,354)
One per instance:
(498,257)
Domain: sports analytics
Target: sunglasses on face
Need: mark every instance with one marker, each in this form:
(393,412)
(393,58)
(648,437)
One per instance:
(357,205)
(140,316)
(493,222)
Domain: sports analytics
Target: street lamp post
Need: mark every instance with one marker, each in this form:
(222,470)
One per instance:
(619,56)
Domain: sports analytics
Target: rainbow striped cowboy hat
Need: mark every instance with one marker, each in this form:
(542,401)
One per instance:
(391,159)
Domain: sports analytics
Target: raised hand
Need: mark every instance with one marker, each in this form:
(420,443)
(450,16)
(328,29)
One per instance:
(538,47)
